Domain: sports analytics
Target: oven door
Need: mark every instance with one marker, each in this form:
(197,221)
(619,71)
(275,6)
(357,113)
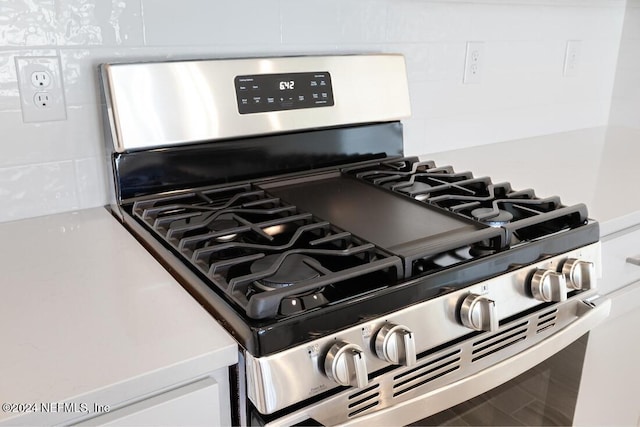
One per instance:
(544,395)
(536,386)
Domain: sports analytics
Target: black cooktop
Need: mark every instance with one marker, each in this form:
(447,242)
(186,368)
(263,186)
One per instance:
(319,251)
(395,223)
(418,233)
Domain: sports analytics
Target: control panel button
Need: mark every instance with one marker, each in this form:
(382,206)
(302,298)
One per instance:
(345,364)
(479,313)
(548,286)
(396,344)
(578,274)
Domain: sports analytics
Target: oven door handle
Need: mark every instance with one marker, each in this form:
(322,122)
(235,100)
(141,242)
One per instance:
(591,314)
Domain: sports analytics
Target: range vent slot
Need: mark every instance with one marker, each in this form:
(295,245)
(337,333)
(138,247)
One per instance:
(503,339)
(363,409)
(364,400)
(425,373)
(546,321)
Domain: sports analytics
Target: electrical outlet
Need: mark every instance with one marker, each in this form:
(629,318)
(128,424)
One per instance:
(42,100)
(40,79)
(41,89)
(571,58)
(473,62)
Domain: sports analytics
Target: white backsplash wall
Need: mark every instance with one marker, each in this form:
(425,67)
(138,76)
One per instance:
(625,104)
(58,166)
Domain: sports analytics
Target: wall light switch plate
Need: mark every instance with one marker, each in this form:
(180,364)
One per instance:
(41,89)
(473,63)
(572,58)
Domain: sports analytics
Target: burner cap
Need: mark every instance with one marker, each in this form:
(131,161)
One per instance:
(485,215)
(222,224)
(293,270)
(417,187)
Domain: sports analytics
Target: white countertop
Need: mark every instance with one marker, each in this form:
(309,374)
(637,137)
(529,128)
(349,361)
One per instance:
(84,307)
(599,167)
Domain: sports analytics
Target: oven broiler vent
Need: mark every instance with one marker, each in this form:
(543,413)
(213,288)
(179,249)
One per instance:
(546,321)
(499,341)
(426,373)
(364,400)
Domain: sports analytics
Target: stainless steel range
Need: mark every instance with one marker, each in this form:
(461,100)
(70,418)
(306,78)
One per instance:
(362,286)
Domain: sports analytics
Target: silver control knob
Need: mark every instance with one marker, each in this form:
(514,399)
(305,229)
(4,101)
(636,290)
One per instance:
(396,344)
(479,313)
(345,364)
(548,286)
(578,273)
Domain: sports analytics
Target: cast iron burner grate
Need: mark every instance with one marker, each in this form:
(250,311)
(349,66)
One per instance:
(524,215)
(265,255)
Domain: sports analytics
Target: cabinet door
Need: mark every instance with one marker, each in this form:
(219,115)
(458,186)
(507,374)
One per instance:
(196,404)
(620,261)
(610,388)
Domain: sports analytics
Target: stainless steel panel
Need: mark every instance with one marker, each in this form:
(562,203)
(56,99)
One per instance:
(288,377)
(169,103)
(456,377)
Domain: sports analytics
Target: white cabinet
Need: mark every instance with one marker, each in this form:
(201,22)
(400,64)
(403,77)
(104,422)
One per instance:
(610,387)
(617,270)
(195,404)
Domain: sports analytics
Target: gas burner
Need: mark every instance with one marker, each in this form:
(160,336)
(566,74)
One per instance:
(491,218)
(222,224)
(418,187)
(294,268)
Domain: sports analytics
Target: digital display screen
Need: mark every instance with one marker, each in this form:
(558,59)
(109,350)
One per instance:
(279,92)
(287,85)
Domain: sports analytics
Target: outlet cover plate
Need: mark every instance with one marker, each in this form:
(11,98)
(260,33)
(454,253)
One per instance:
(572,58)
(33,88)
(474,59)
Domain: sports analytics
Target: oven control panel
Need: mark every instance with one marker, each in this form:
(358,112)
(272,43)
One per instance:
(263,93)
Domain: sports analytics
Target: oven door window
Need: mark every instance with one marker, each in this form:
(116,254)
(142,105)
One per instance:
(544,395)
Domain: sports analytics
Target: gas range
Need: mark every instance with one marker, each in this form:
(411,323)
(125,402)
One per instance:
(354,279)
